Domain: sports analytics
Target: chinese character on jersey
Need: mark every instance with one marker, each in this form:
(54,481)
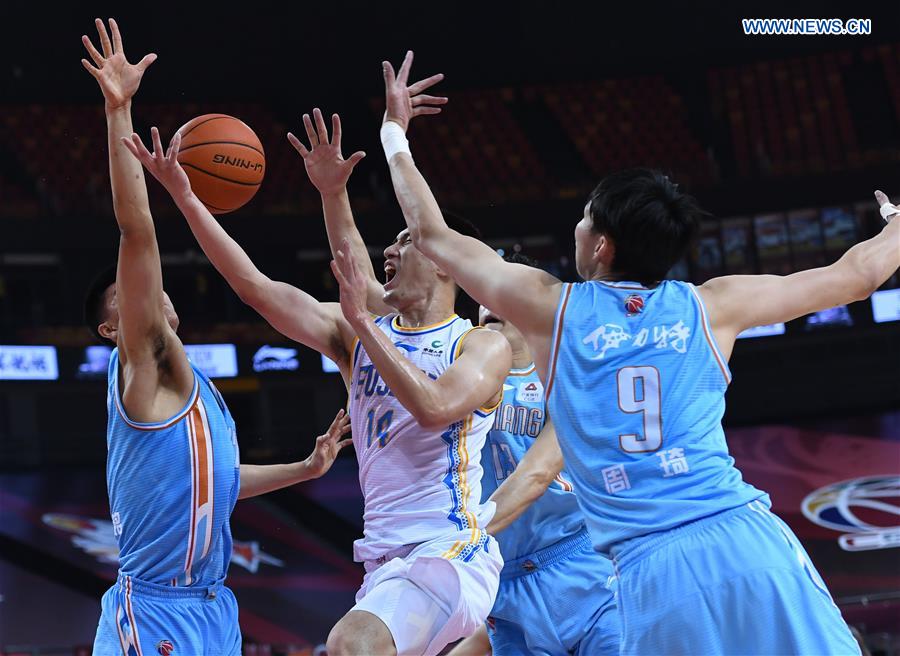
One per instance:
(612,335)
(615,479)
(675,337)
(673,462)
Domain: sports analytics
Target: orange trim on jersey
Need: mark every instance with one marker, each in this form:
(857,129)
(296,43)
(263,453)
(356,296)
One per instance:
(523,372)
(556,341)
(352,356)
(709,338)
(403,329)
(130,611)
(456,352)
(202,485)
(563,483)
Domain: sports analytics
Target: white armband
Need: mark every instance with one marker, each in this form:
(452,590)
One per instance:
(393,140)
(888,210)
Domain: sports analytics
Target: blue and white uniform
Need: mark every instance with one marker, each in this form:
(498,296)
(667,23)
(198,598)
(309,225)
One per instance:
(423,521)
(555,593)
(636,389)
(172,486)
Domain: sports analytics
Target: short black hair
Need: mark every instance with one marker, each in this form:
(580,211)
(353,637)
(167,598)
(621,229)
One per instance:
(460,223)
(650,222)
(94,306)
(517,257)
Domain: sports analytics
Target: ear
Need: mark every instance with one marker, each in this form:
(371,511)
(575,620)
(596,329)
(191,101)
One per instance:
(107,331)
(604,252)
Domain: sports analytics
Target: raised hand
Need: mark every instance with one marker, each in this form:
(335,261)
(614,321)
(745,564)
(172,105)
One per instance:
(352,283)
(325,165)
(118,79)
(328,445)
(888,210)
(163,165)
(406,102)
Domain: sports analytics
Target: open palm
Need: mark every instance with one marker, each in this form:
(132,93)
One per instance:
(118,79)
(325,164)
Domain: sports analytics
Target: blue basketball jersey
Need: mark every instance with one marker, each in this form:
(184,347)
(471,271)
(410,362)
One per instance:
(636,389)
(172,486)
(517,422)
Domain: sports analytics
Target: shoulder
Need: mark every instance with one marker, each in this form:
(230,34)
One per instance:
(483,342)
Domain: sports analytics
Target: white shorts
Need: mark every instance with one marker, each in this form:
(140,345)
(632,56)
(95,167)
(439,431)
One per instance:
(459,573)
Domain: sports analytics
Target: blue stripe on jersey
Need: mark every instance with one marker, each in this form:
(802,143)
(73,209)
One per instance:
(172,486)
(455,437)
(517,422)
(636,390)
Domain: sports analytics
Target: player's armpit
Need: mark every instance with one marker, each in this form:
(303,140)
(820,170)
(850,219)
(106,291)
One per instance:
(533,475)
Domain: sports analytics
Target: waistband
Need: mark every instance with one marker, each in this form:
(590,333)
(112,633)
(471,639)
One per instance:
(545,557)
(632,550)
(399,552)
(129,584)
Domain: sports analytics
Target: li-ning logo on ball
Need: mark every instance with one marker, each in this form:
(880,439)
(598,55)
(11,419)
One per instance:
(237,161)
(866,510)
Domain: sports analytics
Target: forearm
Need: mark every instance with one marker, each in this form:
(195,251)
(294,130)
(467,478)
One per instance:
(514,496)
(129,190)
(225,253)
(413,389)
(876,259)
(419,206)
(260,479)
(340,225)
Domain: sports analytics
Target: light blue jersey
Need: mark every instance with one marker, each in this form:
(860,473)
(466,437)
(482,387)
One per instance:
(172,486)
(517,422)
(556,593)
(636,389)
(637,392)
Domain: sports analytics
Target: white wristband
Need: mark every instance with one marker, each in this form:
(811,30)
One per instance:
(393,140)
(888,210)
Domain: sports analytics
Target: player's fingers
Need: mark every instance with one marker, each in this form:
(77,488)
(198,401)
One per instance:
(144,64)
(92,51)
(421,85)
(116,36)
(298,145)
(129,144)
(336,131)
(90,69)
(420,111)
(403,73)
(424,99)
(343,443)
(104,38)
(881,197)
(174,147)
(388,71)
(310,132)
(345,428)
(337,419)
(355,158)
(158,150)
(321,130)
(143,154)
(338,275)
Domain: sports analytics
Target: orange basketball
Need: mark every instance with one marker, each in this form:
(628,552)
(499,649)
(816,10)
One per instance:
(224,160)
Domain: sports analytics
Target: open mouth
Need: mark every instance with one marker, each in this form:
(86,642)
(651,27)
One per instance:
(492,321)
(390,272)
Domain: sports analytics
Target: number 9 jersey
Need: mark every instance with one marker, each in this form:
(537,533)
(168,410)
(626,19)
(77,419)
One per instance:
(418,484)
(636,387)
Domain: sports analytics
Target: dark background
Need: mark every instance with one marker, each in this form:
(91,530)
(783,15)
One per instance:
(545,98)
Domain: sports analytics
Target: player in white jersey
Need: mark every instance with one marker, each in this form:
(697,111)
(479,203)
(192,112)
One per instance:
(431,572)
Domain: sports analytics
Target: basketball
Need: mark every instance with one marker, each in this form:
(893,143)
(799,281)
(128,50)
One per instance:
(223,159)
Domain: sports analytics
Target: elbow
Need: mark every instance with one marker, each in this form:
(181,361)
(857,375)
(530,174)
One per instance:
(431,416)
(539,480)
(252,293)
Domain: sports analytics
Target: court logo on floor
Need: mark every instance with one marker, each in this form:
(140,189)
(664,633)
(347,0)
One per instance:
(866,510)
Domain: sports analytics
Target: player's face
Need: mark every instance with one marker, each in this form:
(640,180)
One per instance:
(112,311)
(408,274)
(492,321)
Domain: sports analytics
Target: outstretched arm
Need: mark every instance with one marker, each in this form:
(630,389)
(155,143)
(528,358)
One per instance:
(329,172)
(260,479)
(533,475)
(144,334)
(477,644)
(523,295)
(736,303)
(292,312)
(473,380)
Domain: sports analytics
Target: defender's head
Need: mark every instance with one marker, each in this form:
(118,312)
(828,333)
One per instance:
(101,310)
(493,321)
(410,277)
(636,226)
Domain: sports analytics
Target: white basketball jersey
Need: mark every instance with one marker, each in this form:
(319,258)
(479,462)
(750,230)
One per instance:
(418,484)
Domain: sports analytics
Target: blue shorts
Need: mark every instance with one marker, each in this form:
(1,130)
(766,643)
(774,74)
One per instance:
(145,619)
(737,582)
(556,601)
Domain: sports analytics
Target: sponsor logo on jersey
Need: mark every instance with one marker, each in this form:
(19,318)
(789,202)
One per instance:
(634,304)
(532,392)
(865,510)
(409,348)
(165,647)
(273,358)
